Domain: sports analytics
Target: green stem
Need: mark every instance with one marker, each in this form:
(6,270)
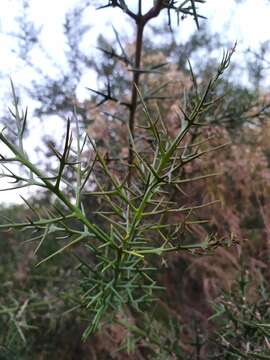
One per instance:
(101,235)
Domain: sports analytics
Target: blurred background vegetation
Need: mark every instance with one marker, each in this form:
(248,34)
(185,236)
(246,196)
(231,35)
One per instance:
(214,306)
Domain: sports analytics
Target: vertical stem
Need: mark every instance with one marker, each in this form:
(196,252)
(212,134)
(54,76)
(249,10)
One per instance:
(140,7)
(134,94)
(141,21)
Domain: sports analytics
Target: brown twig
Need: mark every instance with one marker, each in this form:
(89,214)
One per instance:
(141,21)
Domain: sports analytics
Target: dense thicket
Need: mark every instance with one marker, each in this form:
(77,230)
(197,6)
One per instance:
(216,302)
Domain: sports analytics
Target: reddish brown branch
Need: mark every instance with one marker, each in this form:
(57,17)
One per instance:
(141,21)
(134,95)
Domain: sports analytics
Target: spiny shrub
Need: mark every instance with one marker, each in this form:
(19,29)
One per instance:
(119,255)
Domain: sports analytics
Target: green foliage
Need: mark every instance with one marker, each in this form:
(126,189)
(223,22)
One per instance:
(118,259)
(121,248)
(118,273)
(242,319)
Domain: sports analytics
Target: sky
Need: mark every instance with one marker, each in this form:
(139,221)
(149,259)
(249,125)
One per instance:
(246,22)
